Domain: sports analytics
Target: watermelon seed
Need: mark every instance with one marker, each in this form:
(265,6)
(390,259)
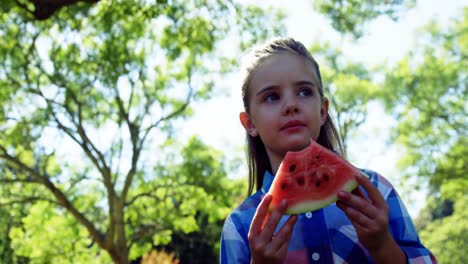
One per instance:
(292,168)
(317,157)
(317,184)
(283,186)
(325,177)
(300,181)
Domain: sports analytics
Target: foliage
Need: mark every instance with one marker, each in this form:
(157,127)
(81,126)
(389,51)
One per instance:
(442,223)
(435,209)
(446,236)
(11,213)
(6,252)
(87,108)
(67,241)
(253,16)
(350,16)
(348,87)
(44,9)
(427,93)
(203,198)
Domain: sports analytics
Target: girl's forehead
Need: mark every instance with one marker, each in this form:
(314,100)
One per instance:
(281,68)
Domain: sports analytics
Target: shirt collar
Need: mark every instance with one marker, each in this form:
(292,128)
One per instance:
(267,180)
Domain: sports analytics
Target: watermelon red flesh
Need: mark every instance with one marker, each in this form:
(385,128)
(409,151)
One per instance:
(310,179)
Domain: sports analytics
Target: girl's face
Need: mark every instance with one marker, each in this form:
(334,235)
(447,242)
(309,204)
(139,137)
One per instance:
(285,106)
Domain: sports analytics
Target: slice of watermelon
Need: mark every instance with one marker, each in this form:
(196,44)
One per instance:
(311,179)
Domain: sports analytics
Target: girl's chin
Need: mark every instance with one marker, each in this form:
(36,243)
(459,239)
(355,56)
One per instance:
(297,144)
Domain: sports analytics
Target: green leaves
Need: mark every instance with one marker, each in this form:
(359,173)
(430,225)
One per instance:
(447,235)
(51,235)
(250,16)
(188,195)
(349,88)
(427,92)
(351,16)
(88,94)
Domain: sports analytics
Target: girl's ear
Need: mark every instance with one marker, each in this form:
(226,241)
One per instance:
(324,111)
(247,124)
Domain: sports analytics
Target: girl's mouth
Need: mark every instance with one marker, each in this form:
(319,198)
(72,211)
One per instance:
(293,125)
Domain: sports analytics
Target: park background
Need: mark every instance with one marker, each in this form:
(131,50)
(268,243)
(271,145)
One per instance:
(119,119)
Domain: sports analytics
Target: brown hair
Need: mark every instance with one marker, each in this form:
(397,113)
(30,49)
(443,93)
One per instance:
(258,160)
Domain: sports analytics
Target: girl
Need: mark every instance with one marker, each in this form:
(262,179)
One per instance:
(285,107)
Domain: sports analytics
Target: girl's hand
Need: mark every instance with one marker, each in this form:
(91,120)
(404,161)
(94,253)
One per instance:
(265,246)
(369,216)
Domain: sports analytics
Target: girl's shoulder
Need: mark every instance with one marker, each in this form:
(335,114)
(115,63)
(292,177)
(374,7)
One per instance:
(250,203)
(242,215)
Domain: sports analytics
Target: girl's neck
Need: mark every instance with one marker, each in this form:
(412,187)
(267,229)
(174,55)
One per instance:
(275,161)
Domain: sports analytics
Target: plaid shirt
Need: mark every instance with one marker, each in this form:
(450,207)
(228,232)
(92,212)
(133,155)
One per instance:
(325,235)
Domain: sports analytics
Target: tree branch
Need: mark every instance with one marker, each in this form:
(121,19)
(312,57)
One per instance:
(145,231)
(74,182)
(13,181)
(44,9)
(134,137)
(150,193)
(27,200)
(85,141)
(137,149)
(93,153)
(176,112)
(61,199)
(84,136)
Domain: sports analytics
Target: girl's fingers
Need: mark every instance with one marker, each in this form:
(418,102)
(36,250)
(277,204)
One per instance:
(283,236)
(264,244)
(265,219)
(283,248)
(272,222)
(361,220)
(286,230)
(359,203)
(260,215)
(374,194)
(358,191)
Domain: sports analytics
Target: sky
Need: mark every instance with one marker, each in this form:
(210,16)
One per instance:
(216,121)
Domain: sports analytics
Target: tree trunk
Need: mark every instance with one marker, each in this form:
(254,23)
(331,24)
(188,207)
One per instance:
(118,250)
(119,256)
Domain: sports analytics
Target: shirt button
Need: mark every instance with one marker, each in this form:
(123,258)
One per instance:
(308,215)
(316,256)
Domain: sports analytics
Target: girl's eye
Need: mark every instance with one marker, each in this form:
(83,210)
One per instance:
(305,92)
(271,97)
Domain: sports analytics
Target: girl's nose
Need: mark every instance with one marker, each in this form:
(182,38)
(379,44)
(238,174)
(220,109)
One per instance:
(290,106)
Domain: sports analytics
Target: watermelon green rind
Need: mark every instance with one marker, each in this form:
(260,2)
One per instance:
(309,206)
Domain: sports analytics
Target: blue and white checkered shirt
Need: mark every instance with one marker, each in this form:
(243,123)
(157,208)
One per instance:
(325,235)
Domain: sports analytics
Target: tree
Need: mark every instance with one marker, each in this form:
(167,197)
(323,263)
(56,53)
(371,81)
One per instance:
(351,16)
(427,92)
(6,253)
(349,88)
(201,167)
(88,101)
(446,233)
(42,9)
